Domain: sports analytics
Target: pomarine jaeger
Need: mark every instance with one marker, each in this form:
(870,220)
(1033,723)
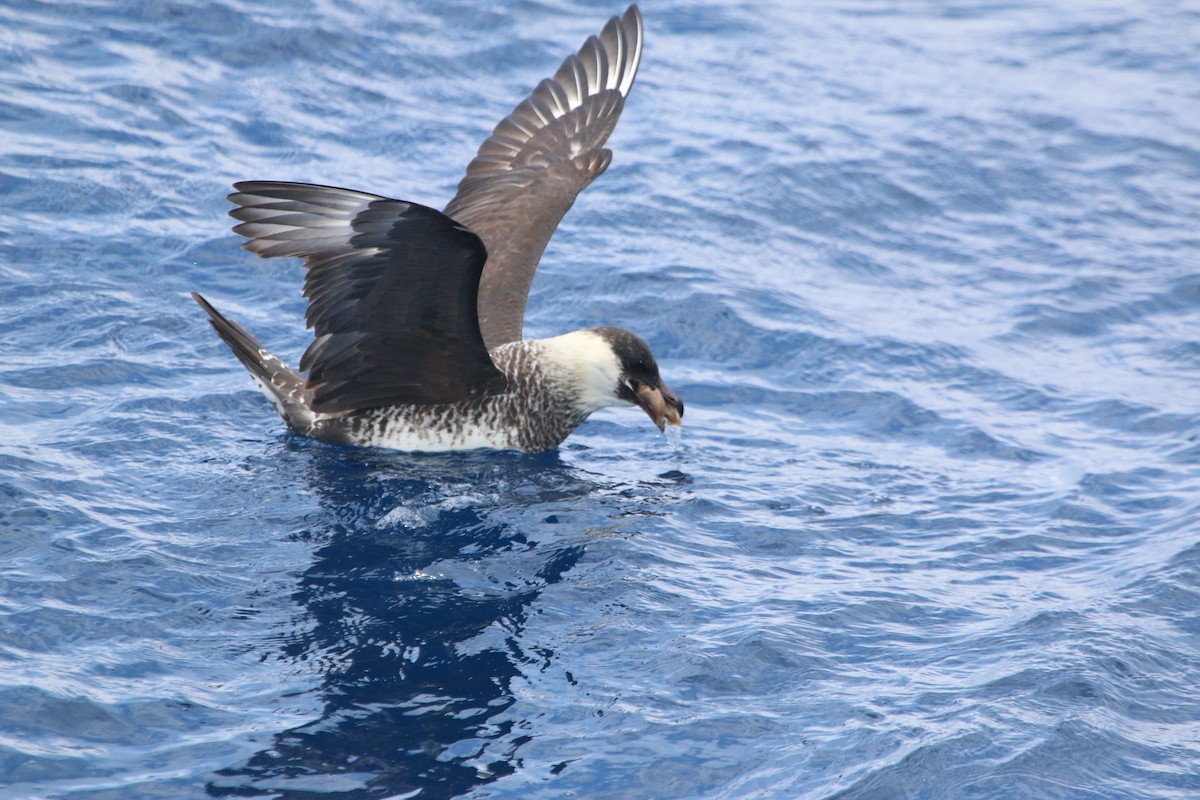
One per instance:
(417,314)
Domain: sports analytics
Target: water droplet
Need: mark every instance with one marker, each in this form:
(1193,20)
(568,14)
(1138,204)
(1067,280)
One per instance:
(674,434)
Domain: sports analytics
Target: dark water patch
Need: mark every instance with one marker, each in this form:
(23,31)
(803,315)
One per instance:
(406,599)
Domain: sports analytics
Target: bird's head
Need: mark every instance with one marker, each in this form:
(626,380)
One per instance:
(614,367)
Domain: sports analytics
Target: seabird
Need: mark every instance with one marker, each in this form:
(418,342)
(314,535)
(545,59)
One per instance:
(417,314)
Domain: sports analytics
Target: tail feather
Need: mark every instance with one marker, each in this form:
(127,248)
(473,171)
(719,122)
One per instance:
(282,385)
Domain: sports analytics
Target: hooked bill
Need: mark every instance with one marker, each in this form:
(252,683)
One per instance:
(657,407)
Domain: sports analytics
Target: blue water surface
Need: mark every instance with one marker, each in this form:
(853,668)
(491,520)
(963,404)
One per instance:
(925,273)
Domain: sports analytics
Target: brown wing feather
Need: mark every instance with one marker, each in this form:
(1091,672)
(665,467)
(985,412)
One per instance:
(392,289)
(527,174)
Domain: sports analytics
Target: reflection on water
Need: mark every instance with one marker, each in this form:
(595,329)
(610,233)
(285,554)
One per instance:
(417,644)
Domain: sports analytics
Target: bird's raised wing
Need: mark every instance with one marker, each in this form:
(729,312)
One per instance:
(527,174)
(392,290)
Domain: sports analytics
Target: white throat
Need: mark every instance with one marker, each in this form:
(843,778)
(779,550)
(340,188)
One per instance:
(589,364)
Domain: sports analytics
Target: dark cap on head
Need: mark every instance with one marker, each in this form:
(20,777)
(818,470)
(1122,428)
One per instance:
(640,382)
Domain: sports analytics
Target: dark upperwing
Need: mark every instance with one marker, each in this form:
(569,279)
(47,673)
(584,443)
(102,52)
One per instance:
(392,291)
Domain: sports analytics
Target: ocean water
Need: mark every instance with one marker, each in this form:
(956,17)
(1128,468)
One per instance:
(925,273)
